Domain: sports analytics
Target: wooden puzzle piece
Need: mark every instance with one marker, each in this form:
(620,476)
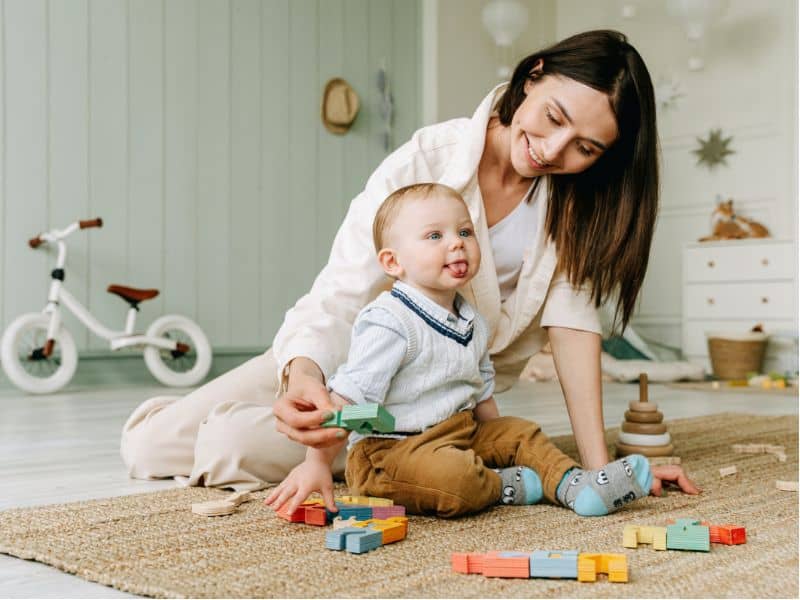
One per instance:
(542,563)
(393,529)
(615,566)
(562,564)
(362,418)
(729,535)
(223,507)
(688,534)
(507,564)
(633,535)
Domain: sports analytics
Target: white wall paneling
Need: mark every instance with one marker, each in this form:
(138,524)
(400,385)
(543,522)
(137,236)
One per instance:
(748,89)
(193,129)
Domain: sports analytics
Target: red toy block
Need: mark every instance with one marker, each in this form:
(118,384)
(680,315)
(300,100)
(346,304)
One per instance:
(507,564)
(299,515)
(467,562)
(316,515)
(729,535)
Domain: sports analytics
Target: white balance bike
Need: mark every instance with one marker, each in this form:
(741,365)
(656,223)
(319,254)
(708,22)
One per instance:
(39,355)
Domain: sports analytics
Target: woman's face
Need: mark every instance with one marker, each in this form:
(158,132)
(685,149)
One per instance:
(561,127)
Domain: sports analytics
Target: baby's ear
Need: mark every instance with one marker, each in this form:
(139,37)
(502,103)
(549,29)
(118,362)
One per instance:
(388,261)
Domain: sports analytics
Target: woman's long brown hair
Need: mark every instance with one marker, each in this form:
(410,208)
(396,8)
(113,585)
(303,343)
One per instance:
(602,220)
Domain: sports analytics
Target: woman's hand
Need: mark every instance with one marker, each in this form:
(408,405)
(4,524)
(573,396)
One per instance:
(673,474)
(303,408)
(311,475)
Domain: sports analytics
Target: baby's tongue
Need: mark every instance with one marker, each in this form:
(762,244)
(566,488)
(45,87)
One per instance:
(458,269)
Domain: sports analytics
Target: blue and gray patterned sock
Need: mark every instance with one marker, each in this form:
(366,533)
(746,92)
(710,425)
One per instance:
(521,485)
(606,490)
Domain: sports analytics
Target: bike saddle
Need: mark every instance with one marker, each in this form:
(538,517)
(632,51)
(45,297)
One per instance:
(132,295)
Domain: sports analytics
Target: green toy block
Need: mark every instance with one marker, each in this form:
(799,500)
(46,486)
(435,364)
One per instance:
(363,418)
(688,534)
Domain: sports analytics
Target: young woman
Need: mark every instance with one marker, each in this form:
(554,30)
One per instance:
(559,169)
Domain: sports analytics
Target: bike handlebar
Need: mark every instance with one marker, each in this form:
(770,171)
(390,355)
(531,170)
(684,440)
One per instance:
(98,222)
(55,235)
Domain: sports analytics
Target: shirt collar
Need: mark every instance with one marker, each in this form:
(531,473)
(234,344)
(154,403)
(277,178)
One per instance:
(458,327)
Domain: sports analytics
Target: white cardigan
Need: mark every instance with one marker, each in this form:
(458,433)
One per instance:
(319,324)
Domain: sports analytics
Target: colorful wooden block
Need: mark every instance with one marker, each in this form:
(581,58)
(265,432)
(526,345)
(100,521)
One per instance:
(369,540)
(688,534)
(386,512)
(336,539)
(615,566)
(469,563)
(355,540)
(365,500)
(393,529)
(361,513)
(558,564)
(507,564)
(363,418)
(633,535)
(729,535)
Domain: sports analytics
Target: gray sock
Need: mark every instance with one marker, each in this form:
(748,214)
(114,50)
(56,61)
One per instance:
(521,485)
(603,491)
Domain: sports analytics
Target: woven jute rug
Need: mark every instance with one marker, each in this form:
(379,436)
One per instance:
(151,544)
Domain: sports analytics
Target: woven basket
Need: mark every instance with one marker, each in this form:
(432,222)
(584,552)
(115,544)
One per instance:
(733,357)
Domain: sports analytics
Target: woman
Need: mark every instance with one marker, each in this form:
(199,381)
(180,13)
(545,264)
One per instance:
(559,170)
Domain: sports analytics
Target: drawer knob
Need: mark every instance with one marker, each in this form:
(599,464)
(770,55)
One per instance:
(711,264)
(765,262)
(710,300)
(764,300)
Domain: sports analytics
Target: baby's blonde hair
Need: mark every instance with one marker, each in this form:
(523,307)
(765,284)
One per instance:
(390,208)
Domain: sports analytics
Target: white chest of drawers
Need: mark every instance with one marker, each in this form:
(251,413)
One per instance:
(731,286)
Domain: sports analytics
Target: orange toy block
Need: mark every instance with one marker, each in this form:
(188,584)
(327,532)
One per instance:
(299,515)
(393,529)
(613,565)
(469,563)
(507,564)
(729,535)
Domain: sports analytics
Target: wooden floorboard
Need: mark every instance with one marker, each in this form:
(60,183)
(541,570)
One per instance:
(65,447)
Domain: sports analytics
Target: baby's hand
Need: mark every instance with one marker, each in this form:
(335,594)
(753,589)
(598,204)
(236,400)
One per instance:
(309,476)
(676,475)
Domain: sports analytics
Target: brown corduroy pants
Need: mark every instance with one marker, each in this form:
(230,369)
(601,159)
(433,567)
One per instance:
(447,470)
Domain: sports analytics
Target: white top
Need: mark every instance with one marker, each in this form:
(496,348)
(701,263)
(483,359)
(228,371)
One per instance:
(419,360)
(319,324)
(510,237)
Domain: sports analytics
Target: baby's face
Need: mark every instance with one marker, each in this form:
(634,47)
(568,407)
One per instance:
(434,244)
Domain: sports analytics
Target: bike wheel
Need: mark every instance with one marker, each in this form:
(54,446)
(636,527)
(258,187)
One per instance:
(172,367)
(21,354)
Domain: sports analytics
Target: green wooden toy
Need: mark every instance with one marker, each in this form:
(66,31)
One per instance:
(688,534)
(363,418)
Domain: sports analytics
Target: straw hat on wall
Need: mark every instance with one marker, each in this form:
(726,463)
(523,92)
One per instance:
(339,106)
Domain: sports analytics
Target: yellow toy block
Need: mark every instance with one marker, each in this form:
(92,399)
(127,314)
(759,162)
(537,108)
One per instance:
(633,535)
(365,500)
(392,529)
(614,565)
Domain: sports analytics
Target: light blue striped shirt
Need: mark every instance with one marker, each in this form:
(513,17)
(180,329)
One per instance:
(419,360)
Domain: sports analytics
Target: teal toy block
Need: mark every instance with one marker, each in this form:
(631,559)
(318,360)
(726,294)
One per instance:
(355,540)
(336,539)
(363,418)
(688,534)
(368,540)
(555,564)
(361,513)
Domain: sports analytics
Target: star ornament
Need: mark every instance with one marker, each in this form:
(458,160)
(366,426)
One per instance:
(712,152)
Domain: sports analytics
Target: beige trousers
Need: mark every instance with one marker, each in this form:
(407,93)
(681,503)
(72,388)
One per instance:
(221,435)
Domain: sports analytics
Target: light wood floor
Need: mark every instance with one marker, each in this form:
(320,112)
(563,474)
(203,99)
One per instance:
(65,447)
